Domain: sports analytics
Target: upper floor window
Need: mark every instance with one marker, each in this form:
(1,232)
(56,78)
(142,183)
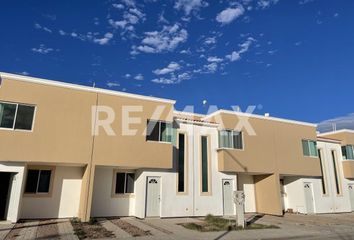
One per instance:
(309,148)
(348,152)
(38,181)
(16,116)
(159,131)
(230,139)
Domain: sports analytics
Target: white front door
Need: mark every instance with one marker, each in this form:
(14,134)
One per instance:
(351,194)
(309,198)
(153,197)
(227,186)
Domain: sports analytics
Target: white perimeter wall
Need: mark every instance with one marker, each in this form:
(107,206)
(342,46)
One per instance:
(323,203)
(246,183)
(65,198)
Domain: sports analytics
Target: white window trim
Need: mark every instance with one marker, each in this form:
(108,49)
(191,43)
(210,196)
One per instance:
(159,122)
(308,145)
(125,185)
(232,140)
(14,123)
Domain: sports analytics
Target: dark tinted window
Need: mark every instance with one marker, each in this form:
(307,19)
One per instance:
(32,181)
(120,181)
(129,183)
(44,181)
(205,184)
(237,139)
(181,163)
(7,115)
(24,117)
(152,133)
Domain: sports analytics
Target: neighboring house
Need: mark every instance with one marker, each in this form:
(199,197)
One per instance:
(58,160)
(326,194)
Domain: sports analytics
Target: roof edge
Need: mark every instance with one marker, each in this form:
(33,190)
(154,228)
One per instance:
(337,131)
(81,87)
(260,117)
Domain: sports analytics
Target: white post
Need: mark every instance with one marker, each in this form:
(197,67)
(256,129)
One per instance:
(239,199)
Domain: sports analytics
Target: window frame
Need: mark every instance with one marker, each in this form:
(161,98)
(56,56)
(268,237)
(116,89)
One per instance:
(323,166)
(209,192)
(337,173)
(232,139)
(346,152)
(159,122)
(185,164)
(15,117)
(114,183)
(308,145)
(51,181)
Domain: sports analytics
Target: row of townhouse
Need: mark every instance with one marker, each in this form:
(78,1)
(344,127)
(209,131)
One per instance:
(57,160)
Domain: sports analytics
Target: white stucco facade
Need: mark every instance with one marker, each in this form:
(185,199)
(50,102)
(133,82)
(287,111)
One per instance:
(324,201)
(192,202)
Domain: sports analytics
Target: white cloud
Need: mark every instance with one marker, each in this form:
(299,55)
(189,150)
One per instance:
(118,5)
(128,75)
(42,49)
(173,79)
(190,5)
(210,40)
(38,26)
(105,40)
(211,68)
(130,3)
(139,77)
(112,84)
(230,14)
(234,56)
(173,66)
(61,32)
(263,4)
(24,73)
(302,2)
(244,47)
(214,59)
(342,122)
(163,41)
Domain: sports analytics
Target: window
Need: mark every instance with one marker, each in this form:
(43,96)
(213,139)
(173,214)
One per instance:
(124,183)
(309,148)
(205,167)
(323,180)
(38,181)
(16,116)
(337,181)
(181,162)
(159,131)
(348,152)
(230,139)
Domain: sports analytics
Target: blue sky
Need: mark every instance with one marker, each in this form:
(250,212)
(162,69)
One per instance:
(293,59)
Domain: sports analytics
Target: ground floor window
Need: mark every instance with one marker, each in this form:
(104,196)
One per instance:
(124,182)
(38,181)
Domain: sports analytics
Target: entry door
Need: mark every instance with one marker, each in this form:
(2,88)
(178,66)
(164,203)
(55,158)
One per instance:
(309,198)
(227,186)
(351,194)
(4,190)
(153,197)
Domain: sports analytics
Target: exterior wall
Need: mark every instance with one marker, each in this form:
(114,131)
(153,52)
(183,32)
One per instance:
(268,199)
(323,203)
(121,150)
(173,204)
(103,202)
(246,184)
(64,200)
(348,169)
(62,124)
(16,188)
(276,147)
